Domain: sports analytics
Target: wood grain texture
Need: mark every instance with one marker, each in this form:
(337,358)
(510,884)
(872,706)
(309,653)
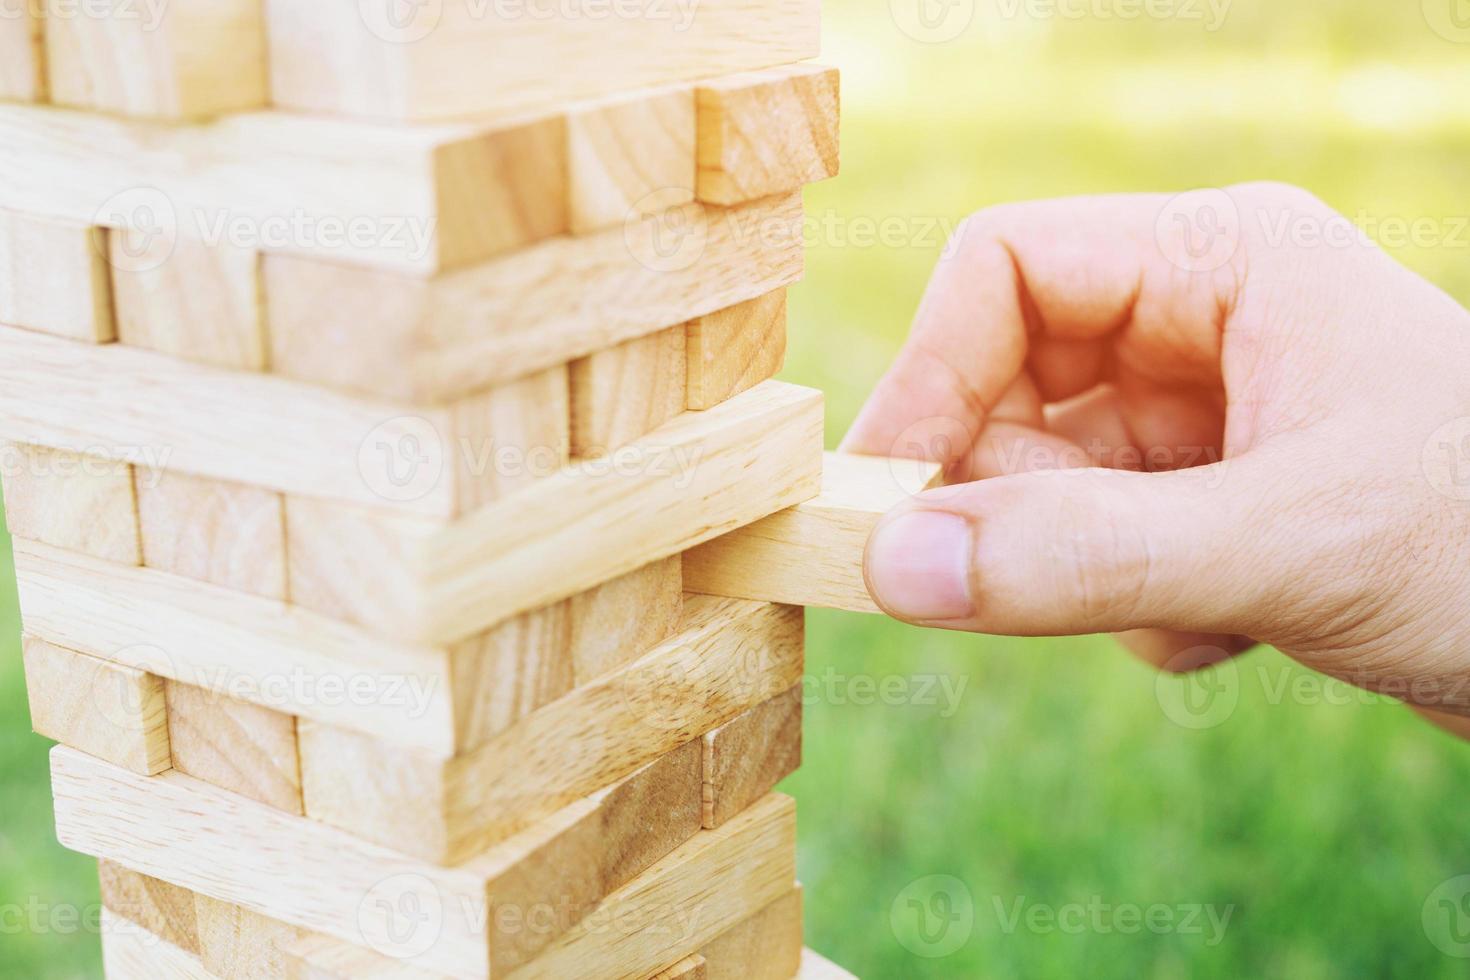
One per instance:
(619,621)
(734,349)
(510,670)
(462,60)
(71,501)
(625,392)
(54,277)
(694,478)
(238,944)
(23,55)
(130,952)
(431,340)
(244,748)
(729,656)
(766,946)
(628,155)
(141,407)
(744,759)
(171,61)
(812,554)
(164,910)
(228,534)
(105,709)
(417,199)
(188,299)
(320,957)
(766,132)
(689,968)
(257,649)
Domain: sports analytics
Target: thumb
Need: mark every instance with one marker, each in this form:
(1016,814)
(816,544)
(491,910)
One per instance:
(1087,551)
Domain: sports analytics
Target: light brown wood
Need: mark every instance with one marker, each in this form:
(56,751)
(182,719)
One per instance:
(54,277)
(689,968)
(164,910)
(744,759)
(456,59)
(184,298)
(320,957)
(418,199)
(766,132)
(121,403)
(625,392)
(628,155)
(428,341)
(729,656)
(130,952)
(619,621)
(105,709)
(766,946)
(244,748)
(812,554)
(228,534)
(734,349)
(80,503)
(238,944)
(507,672)
(22,55)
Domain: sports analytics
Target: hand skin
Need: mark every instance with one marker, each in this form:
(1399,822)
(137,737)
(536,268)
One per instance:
(1196,421)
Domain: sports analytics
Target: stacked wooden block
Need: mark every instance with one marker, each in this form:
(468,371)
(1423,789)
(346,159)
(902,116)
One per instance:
(366,371)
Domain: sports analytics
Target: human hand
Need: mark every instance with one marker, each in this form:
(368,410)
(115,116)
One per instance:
(1192,421)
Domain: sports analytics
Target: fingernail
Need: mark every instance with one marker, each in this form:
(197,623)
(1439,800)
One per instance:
(918,566)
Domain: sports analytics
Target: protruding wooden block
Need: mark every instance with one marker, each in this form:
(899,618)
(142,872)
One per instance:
(200,302)
(734,349)
(70,501)
(22,54)
(229,534)
(166,60)
(241,747)
(105,709)
(812,554)
(164,910)
(54,277)
(744,759)
(766,946)
(619,621)
(433,340)
(729,656)
(629,155)
(625,392)
(766,132)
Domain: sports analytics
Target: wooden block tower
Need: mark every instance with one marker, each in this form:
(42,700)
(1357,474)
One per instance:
(411,541)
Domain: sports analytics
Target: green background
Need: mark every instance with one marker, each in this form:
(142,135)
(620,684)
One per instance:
(1066,780)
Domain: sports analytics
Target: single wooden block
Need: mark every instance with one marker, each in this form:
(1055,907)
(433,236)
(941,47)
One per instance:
(617,622)
(431,340)
(625,392)
(766,132)
(691,479)
(104,709)
(728,657)
(734,349)
(812,554)
(164,910)
(814,967)
(70,501)
(129,952)
(238,944)
(54,277)
(766,946)
(454,59)
(187,299)
(629,155)
(301,873)
(22,54)
(229,534)
(172,61)
(141,407)
(244,748)
(689,968)
(419,199)
(744,759)
(509,671)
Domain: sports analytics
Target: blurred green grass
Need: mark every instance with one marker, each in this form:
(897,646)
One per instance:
(1060,776)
